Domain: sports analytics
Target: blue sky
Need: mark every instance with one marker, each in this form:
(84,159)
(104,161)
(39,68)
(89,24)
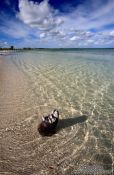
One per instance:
(57,23)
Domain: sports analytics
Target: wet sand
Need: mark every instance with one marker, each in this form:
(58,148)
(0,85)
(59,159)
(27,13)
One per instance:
(13,114)
(83,143)
(12,90)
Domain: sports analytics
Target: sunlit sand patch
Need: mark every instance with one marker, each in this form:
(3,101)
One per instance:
(73,110)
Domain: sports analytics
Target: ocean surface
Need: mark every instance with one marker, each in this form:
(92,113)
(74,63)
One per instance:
(77,82)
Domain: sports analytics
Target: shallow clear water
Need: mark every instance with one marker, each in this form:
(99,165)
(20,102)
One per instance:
(80,84)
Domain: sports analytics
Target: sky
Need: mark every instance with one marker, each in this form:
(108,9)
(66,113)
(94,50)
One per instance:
(57,23)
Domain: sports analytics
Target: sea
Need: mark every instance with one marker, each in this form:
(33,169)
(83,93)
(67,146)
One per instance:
(79,83)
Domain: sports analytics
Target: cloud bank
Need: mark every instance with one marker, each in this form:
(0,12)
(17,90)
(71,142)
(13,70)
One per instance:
(90,24)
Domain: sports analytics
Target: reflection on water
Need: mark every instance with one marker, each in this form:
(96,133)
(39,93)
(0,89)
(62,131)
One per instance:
(81,86)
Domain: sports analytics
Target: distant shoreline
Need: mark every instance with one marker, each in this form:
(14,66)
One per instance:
(22,49)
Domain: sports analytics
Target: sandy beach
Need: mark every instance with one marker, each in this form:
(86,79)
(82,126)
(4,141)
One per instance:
(12,89)
(13,114)
(57,72)
(34,83)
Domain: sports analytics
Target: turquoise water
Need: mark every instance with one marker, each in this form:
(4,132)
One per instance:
(80,84)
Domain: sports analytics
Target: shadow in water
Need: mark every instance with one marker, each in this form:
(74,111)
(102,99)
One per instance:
(64,123)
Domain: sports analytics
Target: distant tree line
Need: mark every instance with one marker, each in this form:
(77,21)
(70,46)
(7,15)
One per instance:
(24,48)
(7,48)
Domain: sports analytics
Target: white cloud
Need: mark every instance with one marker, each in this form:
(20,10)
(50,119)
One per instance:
(4,44)
(112,33)
(54,34)
(42,35)
(93,15)
(39,15)
(90,40)
(39,22)
(15,29)
(60,34)
(74,38)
